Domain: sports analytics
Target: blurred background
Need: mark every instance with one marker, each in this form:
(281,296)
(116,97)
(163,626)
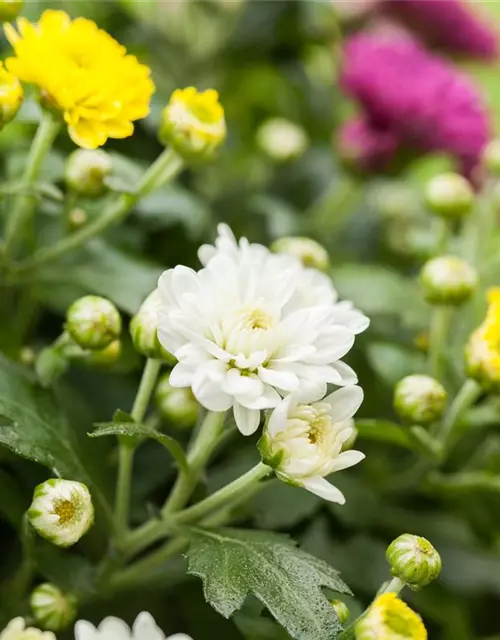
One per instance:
(297,161)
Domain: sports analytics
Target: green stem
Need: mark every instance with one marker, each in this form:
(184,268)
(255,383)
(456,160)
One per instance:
(22,210)
(165,168)
(127,448)
(439,330)
(464,399)
(480,226)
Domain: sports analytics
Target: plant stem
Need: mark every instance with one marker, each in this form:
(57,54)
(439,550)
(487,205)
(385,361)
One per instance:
(165,168)
(464,399)
(437,339)
(394,586)
(21,212)
(127,448)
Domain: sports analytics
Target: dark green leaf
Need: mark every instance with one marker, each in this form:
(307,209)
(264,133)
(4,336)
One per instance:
(393,362)
(385,431)
(68,570)
(139,432)
(234,563)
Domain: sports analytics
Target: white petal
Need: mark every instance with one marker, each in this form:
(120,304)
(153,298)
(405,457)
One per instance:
(181,375)
(247,420)
(114,629)
(85,631)
(179,636)
(145,628)
(346,459)
(286,380)
(322,488)
(347,375)
(344,402)
(278,419)
(209,395)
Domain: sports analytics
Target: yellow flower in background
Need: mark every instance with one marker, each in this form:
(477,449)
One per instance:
(483,350)
(193,122)
(82,72)
(11,96)
(389,618)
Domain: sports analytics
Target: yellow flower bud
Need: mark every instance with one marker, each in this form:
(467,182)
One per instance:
(11,95)
(413,560)
(193,123)
(448,280)
(342,610)
(52,608)
(419,399)
(10,9)
(93,322)
(450,196)
(389,618)
(86,171)
(308,251)
(482,354)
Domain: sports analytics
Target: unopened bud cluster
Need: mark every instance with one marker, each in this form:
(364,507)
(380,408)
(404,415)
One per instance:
(449,196)
(93,322)
(177,405)
(61,511)
(413,560)
(52,608)
(308,251)
(86,172)
(419,399)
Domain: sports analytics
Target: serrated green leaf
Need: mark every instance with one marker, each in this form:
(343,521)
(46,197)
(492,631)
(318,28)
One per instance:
(234,563)
(36,429)
(139,432)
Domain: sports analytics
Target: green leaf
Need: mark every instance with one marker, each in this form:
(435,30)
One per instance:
(139,432)
(393,362)
(33,427)
(385,431)
(50,365)
(288,581)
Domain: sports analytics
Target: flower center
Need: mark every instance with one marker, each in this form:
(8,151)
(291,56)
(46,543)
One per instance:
(317,421)
(65,509)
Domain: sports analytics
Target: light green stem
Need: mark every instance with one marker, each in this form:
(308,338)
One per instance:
(464,399)
(439,330)
(165,168)
(23,207)
(127,448)
(394,586)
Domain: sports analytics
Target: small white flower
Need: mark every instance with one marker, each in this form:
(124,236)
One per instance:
(303,442)
(17,630)
(61,511)
(144,628)
(251,327)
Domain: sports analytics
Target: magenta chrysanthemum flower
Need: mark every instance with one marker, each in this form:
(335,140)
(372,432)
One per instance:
(448,24)
(365,147)
(423,100)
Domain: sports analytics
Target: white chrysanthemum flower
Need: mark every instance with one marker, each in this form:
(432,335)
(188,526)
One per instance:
(61,511)
(17,630)
(144,628)
(303,442)
(251,327)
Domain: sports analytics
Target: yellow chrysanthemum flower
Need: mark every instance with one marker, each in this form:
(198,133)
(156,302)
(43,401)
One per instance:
(483,350)
(193,122)
(82,72)
(389,618)
(11,96)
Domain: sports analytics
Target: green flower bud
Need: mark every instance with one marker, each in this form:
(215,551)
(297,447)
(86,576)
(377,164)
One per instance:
(281,139)
(491,157)
(77,218)
(27,356)
(61,511)
(86,171)
(389,618)
(93,322)
(176,405)
(17,630)
(308,251)
(144,329)
(419,399)
(448,280)
(342,610)
(52,608)
(103,357)
(413,560)
(449,195)
(10,9)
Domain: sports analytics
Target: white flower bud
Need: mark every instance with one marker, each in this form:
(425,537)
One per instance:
(17,630)
(61,511)
(450,196)
(389,618)
(413,560)
(308,251)
(448,280)
(52,608)
(177,405)
(303,443)
(86,171)
(281,139)
(419,399)
(93,322)
(144,329)
(491,157)
(342,610)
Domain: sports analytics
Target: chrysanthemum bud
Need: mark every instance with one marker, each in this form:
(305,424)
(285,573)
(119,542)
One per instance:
(413,560)
(308,251)
(419,399)
(388,618)
(193,123)
(448,280)
(482,354)
(77,218)
(10,9)
(52,608)
(17,630)
(11,95)
(86,171)
(281,139)
(61,511)
(103,357)
(491,157)
(177,405)
(144,329)
(93,322)
(449,195)
(342,610)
